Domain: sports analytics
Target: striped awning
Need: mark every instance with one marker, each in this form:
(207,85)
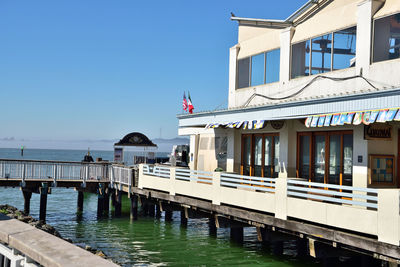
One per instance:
(355,118)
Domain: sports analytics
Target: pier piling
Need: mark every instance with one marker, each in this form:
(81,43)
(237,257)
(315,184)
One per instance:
(184,217)
(151,209)
(237,234)
(27,201)
(100,200)
(168,215)
(134,208)
(80,201)
(43,202)
(106,202)
(118,203)
(158,210)
(212,226)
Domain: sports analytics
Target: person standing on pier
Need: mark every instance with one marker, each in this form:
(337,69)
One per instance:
(22,151)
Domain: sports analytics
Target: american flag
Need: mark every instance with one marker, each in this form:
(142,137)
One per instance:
(184,103)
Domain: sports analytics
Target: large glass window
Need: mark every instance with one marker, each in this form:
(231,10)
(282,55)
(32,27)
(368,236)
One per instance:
(259,69)
(325,53)
(344,48)
(260,155)
(243,72)
(387,38)
(272,66)
(301,59)
(321,54)
(331,158)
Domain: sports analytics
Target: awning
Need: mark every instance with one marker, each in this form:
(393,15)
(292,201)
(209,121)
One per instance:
(255,125)
(390,7)
(356,118)
(266,42)
(338,15)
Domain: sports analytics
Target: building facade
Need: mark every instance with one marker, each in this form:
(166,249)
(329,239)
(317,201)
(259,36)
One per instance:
(315,96)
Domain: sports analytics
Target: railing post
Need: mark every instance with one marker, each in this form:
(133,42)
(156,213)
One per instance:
(55,175)
(172,188)
(130,177)
(86,175)
(23,175)
(216,184)
(281,198)
(140,178)
(389,216)
(112,178)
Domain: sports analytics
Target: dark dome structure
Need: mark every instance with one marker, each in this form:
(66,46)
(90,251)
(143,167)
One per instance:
(135,139)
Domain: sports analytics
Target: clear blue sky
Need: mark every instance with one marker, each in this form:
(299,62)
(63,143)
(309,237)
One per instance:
(98,69)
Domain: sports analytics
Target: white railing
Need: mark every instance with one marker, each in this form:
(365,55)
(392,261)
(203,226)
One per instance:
(335,194)
(122,175)
(158,171)
(11,257)
(54,170)
(248,182)
(194,175)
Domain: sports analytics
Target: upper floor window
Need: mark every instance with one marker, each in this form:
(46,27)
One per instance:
(387,38)
(258,69)
(325,53)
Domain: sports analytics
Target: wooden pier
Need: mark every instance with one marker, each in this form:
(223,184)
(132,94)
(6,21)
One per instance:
(325,220)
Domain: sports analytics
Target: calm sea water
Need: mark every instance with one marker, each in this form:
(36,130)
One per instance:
(148,241)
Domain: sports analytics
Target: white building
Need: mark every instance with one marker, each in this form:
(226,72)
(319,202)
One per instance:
(305,97)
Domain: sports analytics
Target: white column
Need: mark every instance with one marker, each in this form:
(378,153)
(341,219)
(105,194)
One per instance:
(365,12)
(194,142)
(216,199)
(230,153)
(140,178)
(283,151)
(281,198)
(360,153)
(172,188)
(286,37)
(233,52)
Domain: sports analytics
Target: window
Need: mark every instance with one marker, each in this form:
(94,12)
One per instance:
(260,155)
(325,53)
(258,69)
(243,72)
(387,38)
(325,157)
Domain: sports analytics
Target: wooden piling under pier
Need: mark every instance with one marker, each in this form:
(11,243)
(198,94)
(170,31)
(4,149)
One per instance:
(43,202)
(118,203)
(134,208)
(27,201)
(80,201)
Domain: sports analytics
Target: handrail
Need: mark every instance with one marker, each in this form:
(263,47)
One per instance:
(306,191)
(58,161)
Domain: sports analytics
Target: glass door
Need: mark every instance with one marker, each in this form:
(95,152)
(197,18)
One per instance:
(304,163)
(319,159)
(347,160)
(334,159)
(246,155)
(276,157)
(258,155)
